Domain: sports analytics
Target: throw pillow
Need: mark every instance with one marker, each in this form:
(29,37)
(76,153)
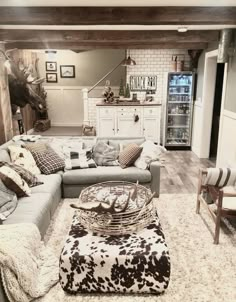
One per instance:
(8,201)
(80,160)
(48,161)
(22,157)
(30,178)
(14,182)
(129,155)
(220,177)
(105,155)
(38,147)
(150,153)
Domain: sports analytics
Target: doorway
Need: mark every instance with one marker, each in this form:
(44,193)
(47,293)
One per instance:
(216,110)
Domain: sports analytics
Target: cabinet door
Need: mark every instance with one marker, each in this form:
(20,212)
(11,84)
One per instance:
(106,126)
(151,129)
(126,126)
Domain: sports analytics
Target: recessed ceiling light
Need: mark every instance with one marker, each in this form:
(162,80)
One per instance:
(182,29)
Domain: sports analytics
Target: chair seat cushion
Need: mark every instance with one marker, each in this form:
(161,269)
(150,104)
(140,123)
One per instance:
(229,203)
(100,174)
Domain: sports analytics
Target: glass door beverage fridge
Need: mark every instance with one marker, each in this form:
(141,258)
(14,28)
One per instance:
(179,109)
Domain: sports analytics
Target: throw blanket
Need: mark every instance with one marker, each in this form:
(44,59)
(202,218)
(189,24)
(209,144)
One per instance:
(27,268)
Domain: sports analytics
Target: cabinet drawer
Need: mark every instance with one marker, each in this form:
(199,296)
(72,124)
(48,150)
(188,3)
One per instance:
(128,111)
(151,111)
(106,112)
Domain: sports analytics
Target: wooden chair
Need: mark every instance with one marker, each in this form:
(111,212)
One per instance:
(223,197)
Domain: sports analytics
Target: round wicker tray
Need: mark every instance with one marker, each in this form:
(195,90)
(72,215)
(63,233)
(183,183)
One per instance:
(138,214)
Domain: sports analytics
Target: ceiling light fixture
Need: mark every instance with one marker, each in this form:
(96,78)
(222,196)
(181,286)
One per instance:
(182,29)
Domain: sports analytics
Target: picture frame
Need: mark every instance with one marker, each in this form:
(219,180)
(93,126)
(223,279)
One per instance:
(50,66)
(143,83)
(67,71)
(51,77)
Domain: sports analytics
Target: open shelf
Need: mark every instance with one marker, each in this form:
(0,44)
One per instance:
(179,126)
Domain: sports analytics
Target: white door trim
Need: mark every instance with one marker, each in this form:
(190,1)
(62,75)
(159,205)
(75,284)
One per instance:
(209,80)
(222,113)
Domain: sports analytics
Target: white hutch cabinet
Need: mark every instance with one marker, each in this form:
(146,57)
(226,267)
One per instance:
(128,121)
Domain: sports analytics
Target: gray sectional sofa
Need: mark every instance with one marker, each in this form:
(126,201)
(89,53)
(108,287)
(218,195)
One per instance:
(41,205)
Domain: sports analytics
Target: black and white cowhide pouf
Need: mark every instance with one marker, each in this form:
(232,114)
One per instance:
(135,263)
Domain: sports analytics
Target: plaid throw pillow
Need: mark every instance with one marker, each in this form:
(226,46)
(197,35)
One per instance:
(48,161)
(129,155)
(30,178)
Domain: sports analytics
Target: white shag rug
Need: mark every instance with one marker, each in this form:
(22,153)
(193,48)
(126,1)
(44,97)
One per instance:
(200,270)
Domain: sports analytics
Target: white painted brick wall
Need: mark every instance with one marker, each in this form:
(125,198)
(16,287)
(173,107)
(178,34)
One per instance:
(155,62)
(149,62)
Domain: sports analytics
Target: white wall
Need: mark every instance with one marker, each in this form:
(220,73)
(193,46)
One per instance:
(65,105)
(64,98)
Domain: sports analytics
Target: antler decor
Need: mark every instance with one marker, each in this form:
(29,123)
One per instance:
(24,84)
(102,207)
(115,207)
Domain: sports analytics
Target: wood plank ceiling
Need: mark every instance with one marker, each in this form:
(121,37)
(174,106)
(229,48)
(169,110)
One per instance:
(87,39)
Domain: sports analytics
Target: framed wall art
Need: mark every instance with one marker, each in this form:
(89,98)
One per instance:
(51,77)
(51,66)
(67,71)
(143,83)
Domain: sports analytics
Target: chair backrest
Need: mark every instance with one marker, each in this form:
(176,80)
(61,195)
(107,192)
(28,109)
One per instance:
(220,177)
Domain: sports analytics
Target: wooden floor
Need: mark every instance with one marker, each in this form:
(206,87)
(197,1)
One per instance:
(180,172)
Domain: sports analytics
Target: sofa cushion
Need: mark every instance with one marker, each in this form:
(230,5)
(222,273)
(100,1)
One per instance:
(34,209)
(100,174)
(50,184)
(116,142)
(4,155)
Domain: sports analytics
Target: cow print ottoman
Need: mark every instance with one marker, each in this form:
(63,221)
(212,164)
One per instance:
(135,263)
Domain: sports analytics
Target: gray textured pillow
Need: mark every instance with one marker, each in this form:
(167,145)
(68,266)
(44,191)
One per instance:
(8,201)
(105,155)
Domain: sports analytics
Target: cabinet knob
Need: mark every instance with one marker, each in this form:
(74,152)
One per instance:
(118,130)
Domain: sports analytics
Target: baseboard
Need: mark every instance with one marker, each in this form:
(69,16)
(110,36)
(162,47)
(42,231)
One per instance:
(29,132)
(66,125)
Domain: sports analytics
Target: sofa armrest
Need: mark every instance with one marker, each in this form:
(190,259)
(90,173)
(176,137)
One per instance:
(155,169)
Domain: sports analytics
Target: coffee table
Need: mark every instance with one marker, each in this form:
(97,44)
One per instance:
(132,263)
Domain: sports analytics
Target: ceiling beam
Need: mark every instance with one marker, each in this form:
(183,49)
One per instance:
(114,36)
(104,45)
(162,15)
